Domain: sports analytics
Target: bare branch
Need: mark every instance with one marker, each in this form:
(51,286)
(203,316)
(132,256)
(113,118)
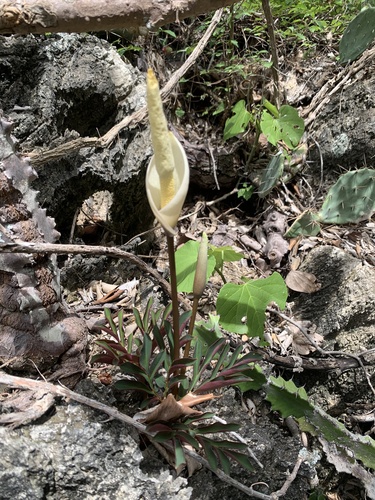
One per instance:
(41,16)
(51,248)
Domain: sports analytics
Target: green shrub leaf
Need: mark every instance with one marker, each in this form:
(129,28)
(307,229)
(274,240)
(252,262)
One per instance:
(224,254)
(242,307)
(237,123)
(288,127)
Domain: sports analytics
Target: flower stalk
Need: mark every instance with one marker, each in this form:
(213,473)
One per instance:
(200,280)
(167,183)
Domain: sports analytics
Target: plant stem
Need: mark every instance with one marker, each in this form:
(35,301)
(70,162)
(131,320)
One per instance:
(191,328)
(175,312)
(275,60)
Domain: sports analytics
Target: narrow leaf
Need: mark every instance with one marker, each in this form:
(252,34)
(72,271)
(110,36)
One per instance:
(145,355)
(224,461)
(241,459)
(209,452)
(179,453)
(218,427)
(221,360)
(132,385)
(157,363)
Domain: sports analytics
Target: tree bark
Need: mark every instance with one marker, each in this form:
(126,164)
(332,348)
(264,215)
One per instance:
(41,16)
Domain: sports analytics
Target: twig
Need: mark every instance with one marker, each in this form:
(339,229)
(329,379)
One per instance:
(213,166)
(282,491)
(19,246)
(39,158)
(212,202)
(322,351)
(321,98)
(29,384)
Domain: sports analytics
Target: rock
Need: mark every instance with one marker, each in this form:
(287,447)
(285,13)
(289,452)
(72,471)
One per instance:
(346,298)
(343,311)
(61,87)
(78,452)
(345,126)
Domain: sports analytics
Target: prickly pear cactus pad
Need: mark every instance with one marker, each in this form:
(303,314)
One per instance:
(351,199)
(358,35)
(35,328)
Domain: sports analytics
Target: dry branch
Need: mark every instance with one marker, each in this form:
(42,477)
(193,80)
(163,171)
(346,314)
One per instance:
(59,249)
(41,16)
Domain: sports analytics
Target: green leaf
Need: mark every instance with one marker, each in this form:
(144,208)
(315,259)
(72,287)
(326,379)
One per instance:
(219,427)
(257,382)
(222,358)
(138,319)
(210,355)
(237,123)
(287,398)
(271,108)
(145,355)
(242,307)
(224,461)
(291,400)
(163,436)
(271,175)
(224,254)
(147,314)
(209,452)
(108,316)
(288,127)
(245,192)
(241,459)
(185,437)
(229,445)
(157,362)
(186,261)
(207,332)
(121,330)
(132,385)
(179,453)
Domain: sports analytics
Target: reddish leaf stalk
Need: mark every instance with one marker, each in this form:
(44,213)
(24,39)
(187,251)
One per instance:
(174,297)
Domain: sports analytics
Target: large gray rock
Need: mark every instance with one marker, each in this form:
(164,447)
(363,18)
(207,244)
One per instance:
(345,128)
(79,453)
(346,298)
(66,86)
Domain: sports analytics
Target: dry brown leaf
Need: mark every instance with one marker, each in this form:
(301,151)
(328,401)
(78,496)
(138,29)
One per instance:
(300,281)
(300,343)
(191,399)
(168,410)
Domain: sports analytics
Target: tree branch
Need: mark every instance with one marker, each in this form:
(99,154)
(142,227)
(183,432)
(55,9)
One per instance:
(41,16)
(19,246)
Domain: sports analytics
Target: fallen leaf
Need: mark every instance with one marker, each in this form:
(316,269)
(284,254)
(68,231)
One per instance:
(300,343)
(300,281)
(168,410)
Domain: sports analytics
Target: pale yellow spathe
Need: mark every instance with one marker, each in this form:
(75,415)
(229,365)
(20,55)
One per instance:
(169,214)
(164,160)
